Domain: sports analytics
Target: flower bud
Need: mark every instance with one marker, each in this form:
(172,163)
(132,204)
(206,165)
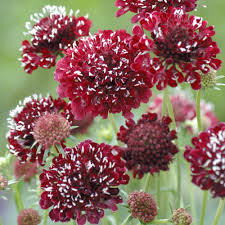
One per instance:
(28,217)
(3,182)
(181,217)
(142,206)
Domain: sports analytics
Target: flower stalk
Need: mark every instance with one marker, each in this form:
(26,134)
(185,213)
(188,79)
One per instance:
(219,211)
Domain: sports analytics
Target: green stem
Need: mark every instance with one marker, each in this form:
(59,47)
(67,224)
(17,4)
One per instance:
(125,222)
(104,220)
(115,128)
(204,203)
(158,195)
(192,199)
(165,94)
(45,217)
(147,182)
(18,199)
(0,221)
(219,211)
(198,100)
(171,114)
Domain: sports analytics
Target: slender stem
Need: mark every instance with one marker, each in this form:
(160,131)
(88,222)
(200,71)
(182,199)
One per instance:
(125,222)
(104,220)
(115,128)
(204,203)
(158,195)
(147,182)
(192,199)
(164,110)
(219,211)
(18,199)
(45,217)
(171,114)
(198,100)
(0,221)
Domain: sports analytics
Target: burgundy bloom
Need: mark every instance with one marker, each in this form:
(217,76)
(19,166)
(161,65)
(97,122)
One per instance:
(29,217)
(83,182)
(22,124)
(207,160)
(141,7)
(184,109)
(26,169)
(149,144)
(143,206)
(182,45)
(96,76)
(52,32)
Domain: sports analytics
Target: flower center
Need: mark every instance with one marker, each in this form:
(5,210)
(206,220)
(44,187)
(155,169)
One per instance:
(51,129)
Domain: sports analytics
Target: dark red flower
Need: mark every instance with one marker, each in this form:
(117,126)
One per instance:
(141,7)
(182,45)
(52,32)
(207,159)
(29,217)
(83,182)
(143,206)
(23,119)
(26,169)
(184,108)
(96,76)
(149,144)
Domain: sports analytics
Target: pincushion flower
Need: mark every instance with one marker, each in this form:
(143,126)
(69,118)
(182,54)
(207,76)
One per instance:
(83,182)
(97,77)
(143,206)
(53,30)
(207,160)
(141,7)
(183,48)
(29,217)
(27,169)
(185,110)
(149,146)
(36,124)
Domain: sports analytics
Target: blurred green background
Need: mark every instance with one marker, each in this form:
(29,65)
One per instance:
(15,84)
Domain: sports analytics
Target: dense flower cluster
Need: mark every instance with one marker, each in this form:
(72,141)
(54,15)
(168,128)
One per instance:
(52,32)
(142,206)
(207,159)
(142,7)
(22,122)
(182,45)
(26,169)
(149,144)
(29,217)
(83,182)
(96,75)
(181,217)
(185,110)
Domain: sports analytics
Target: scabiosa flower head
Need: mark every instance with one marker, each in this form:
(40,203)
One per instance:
(26,122)
(141,7)
(96,76)
(143,206)
(149,144)
(26,169)
(207,160)
(83,182)
(29,217)
(183,46)
(51,129)
(3,182)
(181,217)
(53,30)
(184,108)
